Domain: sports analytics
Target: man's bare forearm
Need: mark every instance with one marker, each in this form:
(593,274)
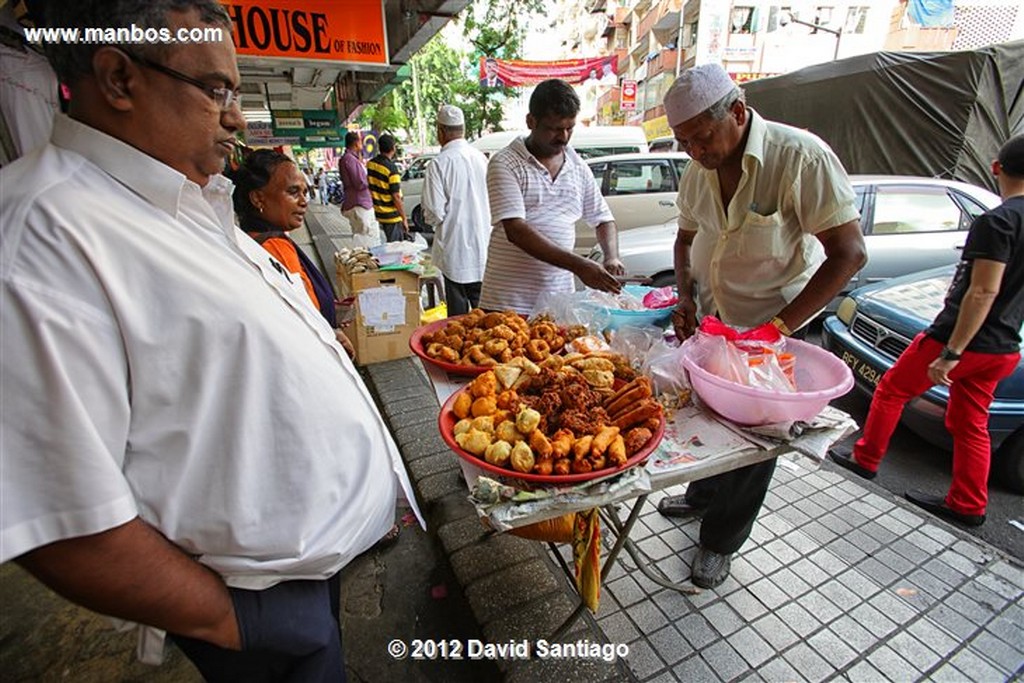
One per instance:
(608,239)
(132,572)
(681,263)
(986,281)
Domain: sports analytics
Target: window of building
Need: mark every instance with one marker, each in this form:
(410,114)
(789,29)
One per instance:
(742,20)
(774,13)
(822,17)
(856,18)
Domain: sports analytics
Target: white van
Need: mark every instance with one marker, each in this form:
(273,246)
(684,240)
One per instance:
(588,141)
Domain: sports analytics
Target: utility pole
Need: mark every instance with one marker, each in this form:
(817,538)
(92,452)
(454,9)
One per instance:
(788,17)
(421,129)
(679,39)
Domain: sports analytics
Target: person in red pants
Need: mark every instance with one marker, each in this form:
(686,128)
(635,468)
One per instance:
(972,344)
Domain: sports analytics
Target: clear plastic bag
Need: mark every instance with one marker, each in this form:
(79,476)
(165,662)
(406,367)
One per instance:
(754,357)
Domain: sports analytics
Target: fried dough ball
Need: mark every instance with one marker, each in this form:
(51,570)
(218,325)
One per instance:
(493,320)
(499,416)
(484,423)
(498,453)
(508,400)
(474,441)
(503,332)
(637,438)
(494,347)
(581,466)
(434,349)
(462,405)
(522,458)
(484,385)
(537,350)
(485,405)
(527,420)
(462,426)
(506,431)
(544,330)
(562,466)
(544,467)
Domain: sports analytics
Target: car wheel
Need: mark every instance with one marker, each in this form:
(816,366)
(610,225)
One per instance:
(664,280)
(1008,463)
(419,224)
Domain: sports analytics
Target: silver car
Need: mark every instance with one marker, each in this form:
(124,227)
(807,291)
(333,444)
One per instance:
(909,224)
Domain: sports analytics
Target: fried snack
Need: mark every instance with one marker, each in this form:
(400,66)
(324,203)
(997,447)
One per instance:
(484,423)
(637,438)
(545,330)
(494,347)
(562,466)
(463,404)
(540,445)
(561,444)
(599,463)
(528,366)
(484,385)
(506,431)
(594,363)
(474,441)
(553,362)
(599,379)
(498,453)
(581,466)
(507,375)
(617,451)
(544,467)
(645,410)
(537,349)
(602,440)
(434,349)
(527,420)
(581,448)
(493,320)
(462,426)
(651,423)
(508,400)
(628,395)
(522,458)
(485,405)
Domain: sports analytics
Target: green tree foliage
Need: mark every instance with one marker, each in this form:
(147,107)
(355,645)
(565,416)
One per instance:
(384,115)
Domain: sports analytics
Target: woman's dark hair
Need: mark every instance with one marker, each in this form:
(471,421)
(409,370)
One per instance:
(554,97)
(254,174)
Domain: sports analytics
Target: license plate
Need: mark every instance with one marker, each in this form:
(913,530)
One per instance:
(862,371)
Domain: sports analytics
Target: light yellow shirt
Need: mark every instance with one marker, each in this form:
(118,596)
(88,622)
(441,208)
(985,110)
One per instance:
(754,257)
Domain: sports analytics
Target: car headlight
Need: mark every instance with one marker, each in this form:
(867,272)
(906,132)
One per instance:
(847,309)
(596,255)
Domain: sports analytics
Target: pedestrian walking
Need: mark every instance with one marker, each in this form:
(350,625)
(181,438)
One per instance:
(386,190)
(357,205)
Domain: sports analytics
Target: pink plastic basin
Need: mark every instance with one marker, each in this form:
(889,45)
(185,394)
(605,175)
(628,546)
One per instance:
(820,377)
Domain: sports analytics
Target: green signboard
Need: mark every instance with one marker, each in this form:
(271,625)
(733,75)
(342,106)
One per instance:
(316,123)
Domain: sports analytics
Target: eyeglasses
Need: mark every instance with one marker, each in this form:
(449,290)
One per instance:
(222,97)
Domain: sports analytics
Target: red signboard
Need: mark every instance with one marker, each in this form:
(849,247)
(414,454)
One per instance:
(628,100)
(502,73)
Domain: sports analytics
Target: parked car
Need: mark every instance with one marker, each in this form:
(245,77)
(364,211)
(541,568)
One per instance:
(909,224)
(667,143)
(588,141)
(412,191)
(873,326)
(639,189)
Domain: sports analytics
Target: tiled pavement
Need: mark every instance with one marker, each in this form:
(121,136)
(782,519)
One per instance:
(838,581)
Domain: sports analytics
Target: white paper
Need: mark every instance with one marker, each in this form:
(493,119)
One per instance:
(382,308)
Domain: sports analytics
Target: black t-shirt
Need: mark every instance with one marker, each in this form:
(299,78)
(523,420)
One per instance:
(997,235)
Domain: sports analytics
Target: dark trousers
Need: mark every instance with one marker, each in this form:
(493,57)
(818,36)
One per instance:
(733,500)
(393,231)
(291,633)
(461,297)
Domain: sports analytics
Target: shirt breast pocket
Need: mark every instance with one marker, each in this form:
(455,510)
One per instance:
(761,238)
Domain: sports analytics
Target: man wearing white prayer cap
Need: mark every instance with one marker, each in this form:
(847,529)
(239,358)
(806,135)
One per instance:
(455,204)
(769,232)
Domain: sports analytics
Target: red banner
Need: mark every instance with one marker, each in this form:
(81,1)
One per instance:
(501,73)
(628,97)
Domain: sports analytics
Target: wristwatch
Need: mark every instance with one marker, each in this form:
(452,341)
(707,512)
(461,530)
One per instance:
(949,354)
(780,324)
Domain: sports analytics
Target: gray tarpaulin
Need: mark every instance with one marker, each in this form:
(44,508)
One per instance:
(935,114)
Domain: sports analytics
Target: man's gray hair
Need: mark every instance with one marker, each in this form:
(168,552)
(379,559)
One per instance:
(720,109)
(72,61)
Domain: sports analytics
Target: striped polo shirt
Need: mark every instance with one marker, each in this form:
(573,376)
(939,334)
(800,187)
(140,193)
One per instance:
(385,182)
(519,186)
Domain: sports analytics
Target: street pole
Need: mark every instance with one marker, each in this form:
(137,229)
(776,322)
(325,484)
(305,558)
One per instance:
(421,130)
(837,33)
(679,39)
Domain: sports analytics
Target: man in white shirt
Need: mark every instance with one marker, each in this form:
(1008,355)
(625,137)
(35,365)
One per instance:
(767,215)
(455,204)
(185,444)
(538,188)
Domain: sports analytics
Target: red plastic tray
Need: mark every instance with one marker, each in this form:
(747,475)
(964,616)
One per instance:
(417,346)
(446,423)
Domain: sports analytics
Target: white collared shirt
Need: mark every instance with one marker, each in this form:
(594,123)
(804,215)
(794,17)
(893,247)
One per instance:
(519,186)
(455,203)
(757,256)
(156,364)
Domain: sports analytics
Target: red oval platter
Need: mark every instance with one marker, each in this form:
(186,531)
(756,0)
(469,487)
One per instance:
(417,346)
(446,423)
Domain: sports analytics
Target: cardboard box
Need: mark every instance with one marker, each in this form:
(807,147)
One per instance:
(387,311)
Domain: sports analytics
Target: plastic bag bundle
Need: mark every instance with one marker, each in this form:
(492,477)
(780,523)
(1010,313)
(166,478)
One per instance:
(754,357)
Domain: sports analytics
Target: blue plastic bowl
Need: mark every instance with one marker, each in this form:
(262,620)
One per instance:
(657,317)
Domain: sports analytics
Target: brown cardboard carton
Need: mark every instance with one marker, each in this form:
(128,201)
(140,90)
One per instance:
(387,305)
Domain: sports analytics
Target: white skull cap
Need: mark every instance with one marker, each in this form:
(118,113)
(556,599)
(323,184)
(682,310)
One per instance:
(450,115)
(695,91)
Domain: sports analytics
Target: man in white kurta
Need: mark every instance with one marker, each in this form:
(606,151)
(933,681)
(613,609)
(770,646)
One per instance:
(185,444)
(455,204)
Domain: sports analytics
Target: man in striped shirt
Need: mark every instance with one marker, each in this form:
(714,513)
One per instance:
(386,190)
(538,188)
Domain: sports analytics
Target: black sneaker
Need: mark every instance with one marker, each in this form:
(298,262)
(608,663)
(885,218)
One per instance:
(846,461)
(679,508)
(709,568)
(937,506)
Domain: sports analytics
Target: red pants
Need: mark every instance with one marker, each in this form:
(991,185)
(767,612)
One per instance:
(974,380)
